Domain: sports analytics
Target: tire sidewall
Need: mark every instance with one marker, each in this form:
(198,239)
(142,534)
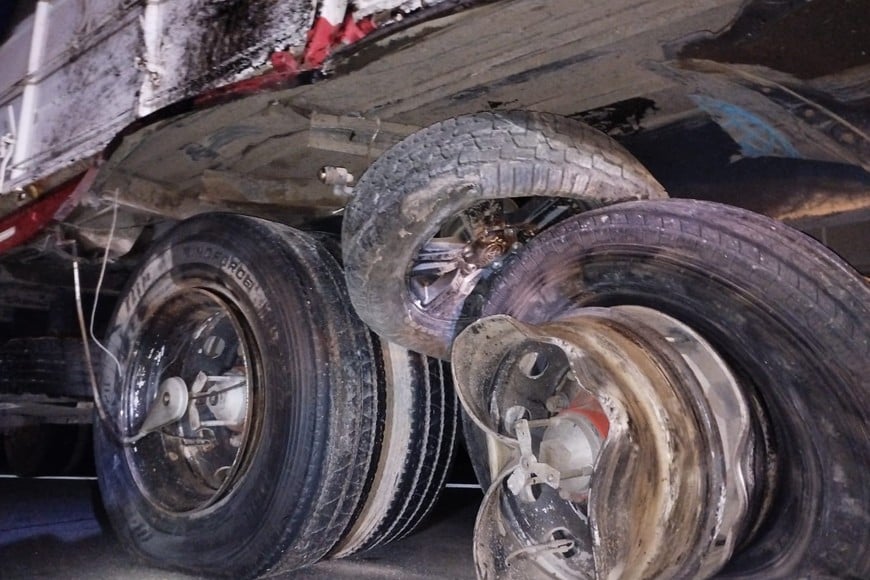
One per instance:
(274,473)
(442,201)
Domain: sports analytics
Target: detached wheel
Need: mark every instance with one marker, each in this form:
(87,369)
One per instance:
(782,315)
(436,214)
(245,397)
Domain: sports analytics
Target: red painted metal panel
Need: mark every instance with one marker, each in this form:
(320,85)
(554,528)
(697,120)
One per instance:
(26,222)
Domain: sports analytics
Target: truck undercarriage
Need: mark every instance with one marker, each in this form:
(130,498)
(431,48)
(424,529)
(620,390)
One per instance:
(262,243)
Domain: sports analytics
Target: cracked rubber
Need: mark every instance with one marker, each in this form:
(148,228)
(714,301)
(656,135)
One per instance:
(410,191)
(791,319)
(317,433)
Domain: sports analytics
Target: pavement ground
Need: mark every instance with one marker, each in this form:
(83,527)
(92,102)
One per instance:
(54,528)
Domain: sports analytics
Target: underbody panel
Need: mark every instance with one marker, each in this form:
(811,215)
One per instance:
(216,129)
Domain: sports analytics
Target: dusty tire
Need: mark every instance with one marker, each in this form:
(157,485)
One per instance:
(419,436)
(417,427)
(790,318)
(297,453)
(409,193)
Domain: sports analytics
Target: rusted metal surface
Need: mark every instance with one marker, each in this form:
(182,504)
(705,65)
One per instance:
(130,57)
(806,39)
(369,92)
(134,58)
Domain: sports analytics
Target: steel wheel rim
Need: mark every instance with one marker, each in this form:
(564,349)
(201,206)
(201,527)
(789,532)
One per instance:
(195,461)
(510,539)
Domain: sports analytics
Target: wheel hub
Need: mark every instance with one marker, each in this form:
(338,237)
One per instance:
(570,444)
(192,380)
(169,405)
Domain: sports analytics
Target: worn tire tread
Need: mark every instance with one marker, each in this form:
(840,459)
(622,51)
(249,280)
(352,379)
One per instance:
(436,173)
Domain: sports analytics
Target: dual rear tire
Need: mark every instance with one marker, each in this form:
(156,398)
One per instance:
(275,448)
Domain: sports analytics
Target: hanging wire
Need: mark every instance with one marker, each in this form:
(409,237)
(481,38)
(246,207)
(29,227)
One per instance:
(113,428)
(100,282)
